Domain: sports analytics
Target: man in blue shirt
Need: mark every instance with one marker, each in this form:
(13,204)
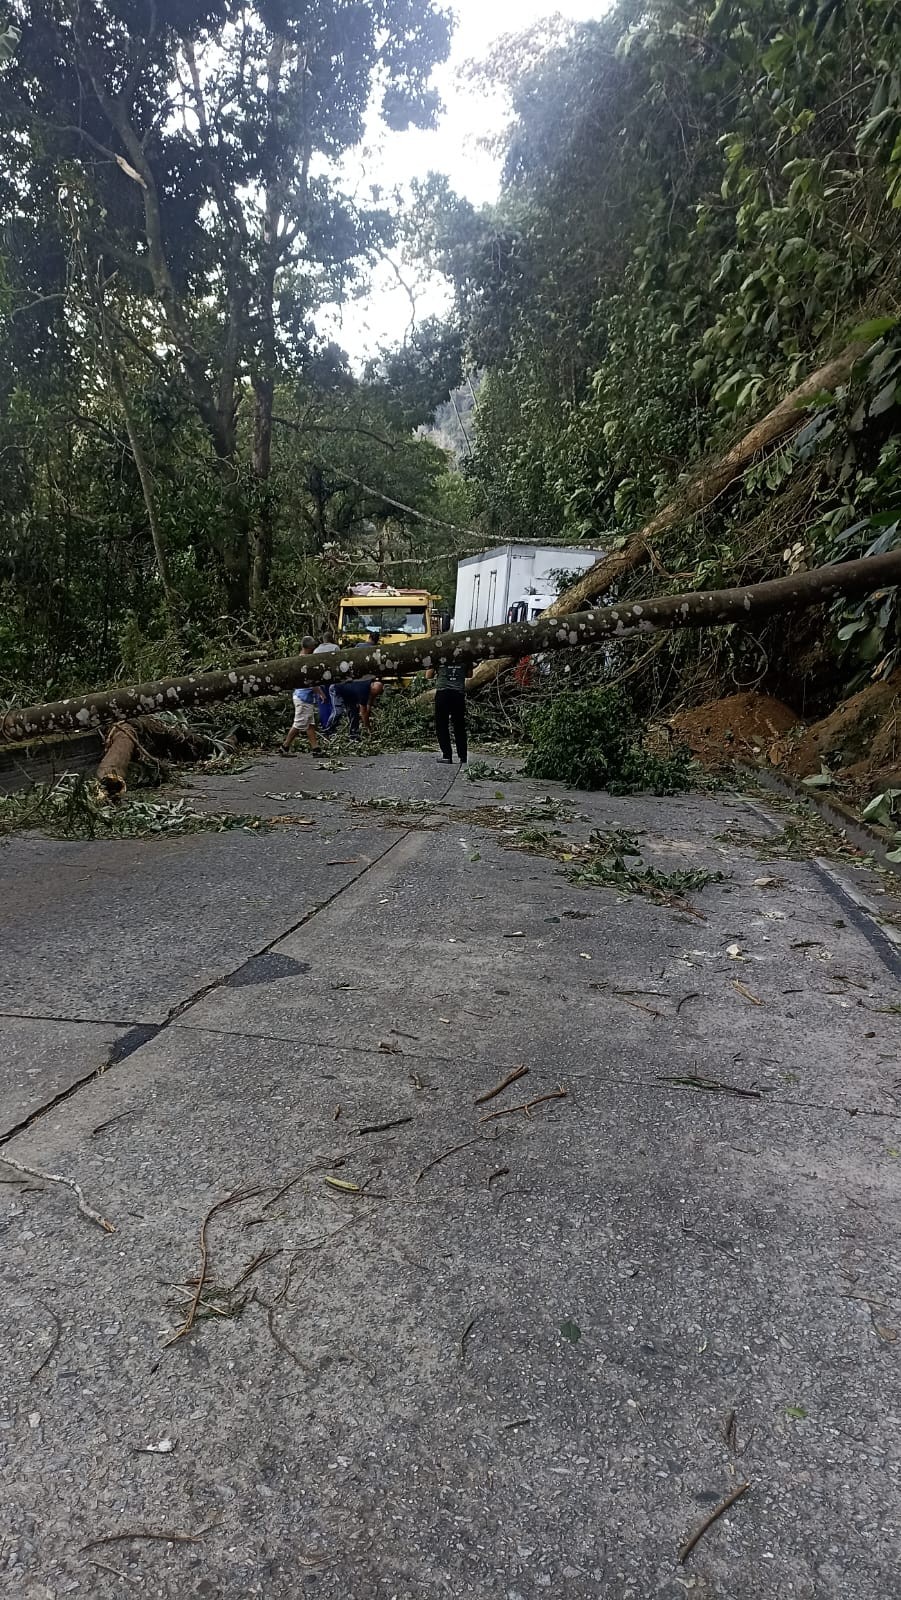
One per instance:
(306,703)
(358,698)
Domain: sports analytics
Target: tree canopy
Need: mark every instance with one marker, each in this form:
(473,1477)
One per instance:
(701,204)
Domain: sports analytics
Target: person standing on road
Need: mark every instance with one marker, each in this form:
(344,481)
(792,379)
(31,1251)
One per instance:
(331,707)
(450,710)
(306,702)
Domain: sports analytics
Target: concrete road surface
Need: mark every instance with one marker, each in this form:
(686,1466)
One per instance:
(413,1352)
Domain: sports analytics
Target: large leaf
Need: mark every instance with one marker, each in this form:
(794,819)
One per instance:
(874,329)
(885,399)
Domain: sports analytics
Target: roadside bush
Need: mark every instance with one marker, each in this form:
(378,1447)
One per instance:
(591,739)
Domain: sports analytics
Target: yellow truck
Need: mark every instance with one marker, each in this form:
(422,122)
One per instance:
(396,615)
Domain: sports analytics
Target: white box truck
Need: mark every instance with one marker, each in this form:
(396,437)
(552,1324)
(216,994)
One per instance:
(513,582)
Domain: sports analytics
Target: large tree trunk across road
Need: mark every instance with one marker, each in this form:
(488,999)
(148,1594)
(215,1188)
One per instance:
(476,644)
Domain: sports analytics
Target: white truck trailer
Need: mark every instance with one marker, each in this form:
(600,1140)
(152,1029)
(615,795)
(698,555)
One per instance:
(513,582)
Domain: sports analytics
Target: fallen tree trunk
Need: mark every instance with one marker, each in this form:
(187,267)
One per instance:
(701,491)
(476,644)
(152,740)
(121,744)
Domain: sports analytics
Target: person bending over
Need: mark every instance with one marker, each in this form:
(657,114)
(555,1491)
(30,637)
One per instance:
(358,697)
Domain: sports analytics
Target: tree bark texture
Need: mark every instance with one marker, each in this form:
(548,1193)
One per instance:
(701,610)
(701,491)
(151,739)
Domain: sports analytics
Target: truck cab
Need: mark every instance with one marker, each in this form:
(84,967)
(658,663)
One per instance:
(397,615)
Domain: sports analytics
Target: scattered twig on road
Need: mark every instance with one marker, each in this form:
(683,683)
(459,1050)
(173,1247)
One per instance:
(712,1085)
(526,1107)
(258,1261)
(445,1153)
(105,1567)
(519,1422)
(57,1177)
(491,1094)
(57,1330)
(166,1535)
(230,1200)
(638,1005)
(499,1172)
(602,983)
(282,1343)
(724,1505)
(695,995)
(465,1335)
(729,1431)
(382,1127)
(203,1305)
(746,992)
(128,1112)
(283,1191)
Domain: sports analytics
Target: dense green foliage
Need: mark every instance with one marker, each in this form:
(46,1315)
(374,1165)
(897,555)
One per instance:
(591,739)
(179,442)
(702,203)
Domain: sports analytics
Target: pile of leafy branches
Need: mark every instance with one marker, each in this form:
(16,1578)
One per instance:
(612,859)
(591,739)
(73,808)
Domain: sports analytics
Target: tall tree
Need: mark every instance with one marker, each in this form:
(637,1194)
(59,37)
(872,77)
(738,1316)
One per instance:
(197,146)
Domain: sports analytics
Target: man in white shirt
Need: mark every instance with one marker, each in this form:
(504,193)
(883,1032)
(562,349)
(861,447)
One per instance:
(329,724)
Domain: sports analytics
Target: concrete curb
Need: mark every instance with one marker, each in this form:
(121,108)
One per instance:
(44,760)
(875,841)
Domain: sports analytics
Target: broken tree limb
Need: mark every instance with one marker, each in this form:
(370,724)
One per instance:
(703,610)
(121,744)
(701,490)
(151,739)
(58,1177)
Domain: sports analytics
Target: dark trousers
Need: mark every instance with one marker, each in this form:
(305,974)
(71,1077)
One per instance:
(450,712)
(346,697)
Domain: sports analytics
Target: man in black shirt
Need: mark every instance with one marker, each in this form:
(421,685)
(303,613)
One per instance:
(450,710)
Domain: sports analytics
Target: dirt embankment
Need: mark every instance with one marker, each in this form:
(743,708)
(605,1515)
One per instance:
(739,728)
(860,738)
(859,742)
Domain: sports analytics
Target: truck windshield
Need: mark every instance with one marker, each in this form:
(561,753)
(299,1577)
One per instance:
(363,619)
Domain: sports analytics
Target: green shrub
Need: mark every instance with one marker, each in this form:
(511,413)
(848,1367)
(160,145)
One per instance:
(591,739)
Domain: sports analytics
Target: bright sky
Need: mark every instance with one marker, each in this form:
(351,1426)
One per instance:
(454,147)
